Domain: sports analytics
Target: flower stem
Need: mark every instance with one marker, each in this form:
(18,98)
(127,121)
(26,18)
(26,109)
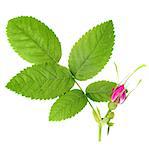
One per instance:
(99,124)
(108,130)
(99,132)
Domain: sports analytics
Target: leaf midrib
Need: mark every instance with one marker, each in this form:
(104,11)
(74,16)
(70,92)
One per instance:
(91,53)
(42,49)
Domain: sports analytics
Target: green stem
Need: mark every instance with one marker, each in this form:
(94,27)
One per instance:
(108,130)
(99,132)
(107,113)
(79,86)
(100,126)
(87,98)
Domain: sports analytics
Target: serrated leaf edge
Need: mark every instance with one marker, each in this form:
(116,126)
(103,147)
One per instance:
(56,120)
(18,93)
(97,82)
(42,24)
(100,81)
(83,37)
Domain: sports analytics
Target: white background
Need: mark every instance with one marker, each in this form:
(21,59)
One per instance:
(24,123)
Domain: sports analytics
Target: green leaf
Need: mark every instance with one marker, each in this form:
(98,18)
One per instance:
(43,81)
(68,105)
(33,40)
(91,53)
(100,91)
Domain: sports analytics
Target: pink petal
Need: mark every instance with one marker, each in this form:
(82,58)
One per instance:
(117,92)
(123,97)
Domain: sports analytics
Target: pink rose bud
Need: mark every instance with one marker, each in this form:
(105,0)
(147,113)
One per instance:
(119,94)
